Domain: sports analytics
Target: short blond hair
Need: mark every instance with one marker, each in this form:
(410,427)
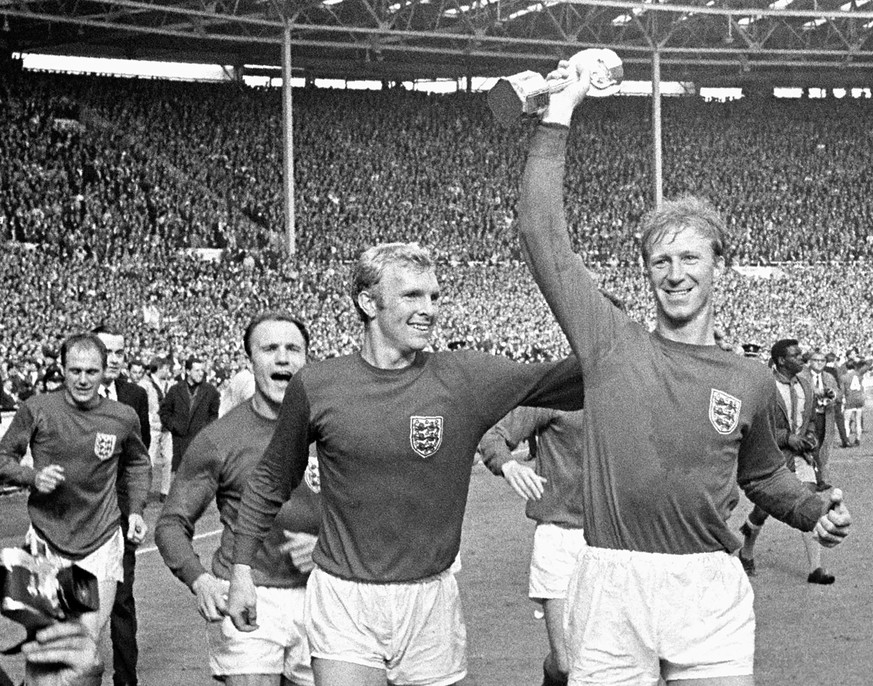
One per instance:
(685,212)
(372,263)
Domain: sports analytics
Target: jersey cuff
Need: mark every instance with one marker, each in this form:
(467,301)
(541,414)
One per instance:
(191,571)
(244,549)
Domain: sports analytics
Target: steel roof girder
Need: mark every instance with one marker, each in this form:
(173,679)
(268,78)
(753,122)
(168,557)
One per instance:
(832,26)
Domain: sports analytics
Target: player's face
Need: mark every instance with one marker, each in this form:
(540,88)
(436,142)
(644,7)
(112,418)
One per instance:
(406,308)
(83,374)
(682,269)
(197,372)
(115,355)
(278,353)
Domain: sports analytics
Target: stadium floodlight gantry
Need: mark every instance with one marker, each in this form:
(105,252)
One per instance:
(709,42)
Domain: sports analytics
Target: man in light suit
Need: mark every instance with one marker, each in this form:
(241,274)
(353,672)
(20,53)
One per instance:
(123,624)
(794,424)
(156,385)
(189,405)
(827,397)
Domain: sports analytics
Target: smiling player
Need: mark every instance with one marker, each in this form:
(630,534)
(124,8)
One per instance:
(657,592)
(396,430)
(217,465)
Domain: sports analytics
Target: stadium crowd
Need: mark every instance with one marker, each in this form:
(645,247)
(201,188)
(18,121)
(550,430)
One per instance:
(111,186)
(151,213)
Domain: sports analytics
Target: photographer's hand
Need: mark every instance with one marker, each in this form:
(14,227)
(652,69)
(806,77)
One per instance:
(67,644)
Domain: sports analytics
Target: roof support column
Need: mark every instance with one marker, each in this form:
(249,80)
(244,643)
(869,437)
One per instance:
(657,171)
(288,142)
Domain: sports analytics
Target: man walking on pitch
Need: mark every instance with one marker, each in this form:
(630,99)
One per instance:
(657,591)
(82,446)
(828,397)
(396,430)
(796,436)
(188,406)
(217,465)
(122,623)
(155,385)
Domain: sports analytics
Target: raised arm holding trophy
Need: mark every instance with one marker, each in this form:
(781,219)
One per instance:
(528,92)
(658,592)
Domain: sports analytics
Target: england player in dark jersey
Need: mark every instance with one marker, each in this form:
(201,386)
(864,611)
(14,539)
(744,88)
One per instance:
(82,446)
(550,489)
(396,430)
(216,467)
(657,591)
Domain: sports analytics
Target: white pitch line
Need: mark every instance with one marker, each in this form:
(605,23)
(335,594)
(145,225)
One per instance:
(197,537)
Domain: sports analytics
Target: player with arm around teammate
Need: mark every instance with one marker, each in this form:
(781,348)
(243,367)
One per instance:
(217,465)
(553,502)
(657,591)
(396,430)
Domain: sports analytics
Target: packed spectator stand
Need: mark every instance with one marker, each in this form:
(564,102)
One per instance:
(112,189)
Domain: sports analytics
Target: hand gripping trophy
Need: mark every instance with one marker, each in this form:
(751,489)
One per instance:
(528,93)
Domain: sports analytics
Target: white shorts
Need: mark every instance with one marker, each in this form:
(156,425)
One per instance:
(415,631)
(633,617)
(553,559)
(277,646)
(104,563)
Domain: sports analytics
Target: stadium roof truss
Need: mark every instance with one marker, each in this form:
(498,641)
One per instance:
(710,42)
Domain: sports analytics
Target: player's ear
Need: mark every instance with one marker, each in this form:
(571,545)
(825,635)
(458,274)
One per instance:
(367,303)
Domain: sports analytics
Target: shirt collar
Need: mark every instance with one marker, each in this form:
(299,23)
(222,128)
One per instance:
(110,391)
(782,378)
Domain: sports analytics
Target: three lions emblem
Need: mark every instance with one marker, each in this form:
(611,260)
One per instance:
(425,434)
(104,446)
(724,411)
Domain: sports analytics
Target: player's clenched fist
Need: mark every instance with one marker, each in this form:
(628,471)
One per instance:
(242,599)
(833,527)
(576,80)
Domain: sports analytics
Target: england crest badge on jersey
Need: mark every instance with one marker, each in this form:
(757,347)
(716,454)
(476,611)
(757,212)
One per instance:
(724,411)
(104,446)
(425,434)
(312,477)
